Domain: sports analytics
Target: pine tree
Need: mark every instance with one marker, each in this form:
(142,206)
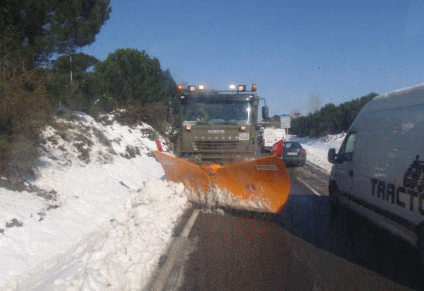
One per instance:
(40,28)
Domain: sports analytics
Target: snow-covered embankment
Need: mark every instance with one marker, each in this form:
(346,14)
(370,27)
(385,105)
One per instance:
(98,217)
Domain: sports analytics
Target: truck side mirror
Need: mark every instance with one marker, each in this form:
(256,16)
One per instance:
(332,155)
(265,112)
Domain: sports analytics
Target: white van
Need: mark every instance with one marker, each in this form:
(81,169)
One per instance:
(271,136)
(379,168)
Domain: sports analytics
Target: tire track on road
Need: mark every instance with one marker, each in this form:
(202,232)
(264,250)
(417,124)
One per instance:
(315,178)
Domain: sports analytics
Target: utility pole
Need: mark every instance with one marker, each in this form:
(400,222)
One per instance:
(70,61)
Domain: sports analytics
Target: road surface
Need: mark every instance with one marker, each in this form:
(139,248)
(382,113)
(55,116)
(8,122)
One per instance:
(305,247)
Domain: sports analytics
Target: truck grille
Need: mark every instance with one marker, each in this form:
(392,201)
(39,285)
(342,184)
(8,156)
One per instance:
(216,145)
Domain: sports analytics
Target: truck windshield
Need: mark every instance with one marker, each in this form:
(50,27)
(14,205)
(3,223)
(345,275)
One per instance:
(213,111)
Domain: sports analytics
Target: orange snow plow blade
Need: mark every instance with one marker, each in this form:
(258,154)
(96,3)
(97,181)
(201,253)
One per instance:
(182,171)
(261,185)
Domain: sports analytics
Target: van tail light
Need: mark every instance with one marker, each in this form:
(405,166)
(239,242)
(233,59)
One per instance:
(303,153)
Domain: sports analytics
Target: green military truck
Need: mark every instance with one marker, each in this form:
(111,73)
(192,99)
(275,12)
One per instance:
(216,153)
(218,126)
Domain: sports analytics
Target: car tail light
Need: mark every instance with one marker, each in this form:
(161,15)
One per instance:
(303,153)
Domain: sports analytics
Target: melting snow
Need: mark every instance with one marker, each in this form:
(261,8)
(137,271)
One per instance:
(317,148)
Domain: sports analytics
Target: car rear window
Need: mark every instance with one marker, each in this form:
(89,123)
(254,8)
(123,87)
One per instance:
(292,145)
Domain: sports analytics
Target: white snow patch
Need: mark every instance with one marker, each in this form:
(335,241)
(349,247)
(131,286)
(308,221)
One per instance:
(109,222)
(317,148)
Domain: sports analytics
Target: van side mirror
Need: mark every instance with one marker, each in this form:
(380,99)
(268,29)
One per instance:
(332,155)
(265,112)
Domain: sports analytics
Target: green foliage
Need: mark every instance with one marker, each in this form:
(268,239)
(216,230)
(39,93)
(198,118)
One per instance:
(40,28)
(24,110)
(131,80)
(128,79)
(85,86)
(30,32)
(152,113)
(330,119)
(77,63)
(131,77)
(57,86)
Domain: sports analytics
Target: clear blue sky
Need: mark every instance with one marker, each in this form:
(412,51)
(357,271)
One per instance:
(341,50)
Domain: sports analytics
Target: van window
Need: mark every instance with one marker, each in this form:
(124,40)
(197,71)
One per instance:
(348,147)
(390,137)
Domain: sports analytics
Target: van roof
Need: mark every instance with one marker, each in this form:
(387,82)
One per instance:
(399,98)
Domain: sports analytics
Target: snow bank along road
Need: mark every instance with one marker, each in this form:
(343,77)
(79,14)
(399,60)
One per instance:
(98,216)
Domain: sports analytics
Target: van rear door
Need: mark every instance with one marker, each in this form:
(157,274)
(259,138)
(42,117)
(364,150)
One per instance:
(343,171)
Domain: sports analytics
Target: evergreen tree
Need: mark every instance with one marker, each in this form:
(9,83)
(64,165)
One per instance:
(40,28)
(131,77)
(78,63)
(330,119)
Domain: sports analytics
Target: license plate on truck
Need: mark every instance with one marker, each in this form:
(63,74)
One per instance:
(243,136)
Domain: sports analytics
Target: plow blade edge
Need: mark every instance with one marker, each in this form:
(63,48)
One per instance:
(261,185)
(182,171)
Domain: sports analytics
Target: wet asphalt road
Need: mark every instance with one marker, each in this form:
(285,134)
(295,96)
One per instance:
(307,246)
(350,236)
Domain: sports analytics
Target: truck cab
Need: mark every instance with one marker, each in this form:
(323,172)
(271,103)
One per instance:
(218,126)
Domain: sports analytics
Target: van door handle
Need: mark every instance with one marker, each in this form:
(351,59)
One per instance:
(351,173)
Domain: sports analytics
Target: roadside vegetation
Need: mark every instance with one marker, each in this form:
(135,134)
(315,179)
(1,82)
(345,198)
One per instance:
(330,119)
(42,74)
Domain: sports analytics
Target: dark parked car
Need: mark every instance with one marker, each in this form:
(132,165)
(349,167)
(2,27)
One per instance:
(294,154)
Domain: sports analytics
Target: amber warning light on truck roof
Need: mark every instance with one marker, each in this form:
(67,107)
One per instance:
(241,88)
